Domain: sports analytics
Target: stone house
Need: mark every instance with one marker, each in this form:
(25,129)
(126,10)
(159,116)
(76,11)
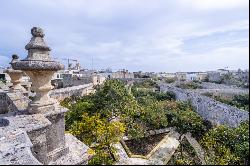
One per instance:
(181,76)
(201,76)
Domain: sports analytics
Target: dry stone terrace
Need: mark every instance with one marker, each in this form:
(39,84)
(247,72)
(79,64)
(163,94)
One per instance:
(33,131)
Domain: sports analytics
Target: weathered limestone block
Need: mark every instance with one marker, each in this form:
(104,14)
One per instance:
(34,125)
(15,148)
(56,134)
(78,153)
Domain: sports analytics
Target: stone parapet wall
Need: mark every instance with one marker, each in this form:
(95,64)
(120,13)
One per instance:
(80,90)
(216,112)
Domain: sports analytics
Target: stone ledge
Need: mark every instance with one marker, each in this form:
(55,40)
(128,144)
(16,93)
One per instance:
(18,120)
(39,65)
(15,148)
(78,153)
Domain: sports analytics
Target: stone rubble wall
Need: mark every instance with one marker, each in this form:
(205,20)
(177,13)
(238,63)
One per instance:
(228,93)
(80,90)
(216,112)
(223,91)
(210,85)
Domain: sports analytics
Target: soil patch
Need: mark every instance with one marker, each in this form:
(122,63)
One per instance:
(145,145)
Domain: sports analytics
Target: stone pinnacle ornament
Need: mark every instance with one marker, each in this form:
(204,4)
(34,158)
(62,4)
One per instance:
(40,68)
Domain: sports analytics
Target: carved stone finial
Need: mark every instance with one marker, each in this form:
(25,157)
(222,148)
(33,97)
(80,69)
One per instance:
(15,58)
(37,32)
(40,68)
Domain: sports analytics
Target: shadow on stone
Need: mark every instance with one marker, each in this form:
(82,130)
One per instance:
(4,122)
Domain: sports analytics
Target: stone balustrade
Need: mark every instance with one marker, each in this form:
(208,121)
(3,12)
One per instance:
(42,119)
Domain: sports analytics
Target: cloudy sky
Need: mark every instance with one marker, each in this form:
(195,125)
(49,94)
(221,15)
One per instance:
(147,35)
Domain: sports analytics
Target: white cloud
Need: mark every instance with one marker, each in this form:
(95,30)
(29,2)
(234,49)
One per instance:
(232,57)
(216,4)
(138,35)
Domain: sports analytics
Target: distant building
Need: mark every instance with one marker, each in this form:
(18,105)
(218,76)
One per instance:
(138,74)
(214,76)
(98,79)
(201,76)
(191,76)
(181,76)
(223,71)
(167,75)
(150,75)
(122,74)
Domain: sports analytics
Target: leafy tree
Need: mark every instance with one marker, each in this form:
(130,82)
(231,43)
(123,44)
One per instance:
(182,116)
(154,116)
(112,100)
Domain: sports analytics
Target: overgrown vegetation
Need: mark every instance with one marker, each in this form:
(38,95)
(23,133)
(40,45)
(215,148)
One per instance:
(185,155)
(227,146)
(101,119)
(189,85)
(238,101)
(146,84)
(99,134)
(170,80)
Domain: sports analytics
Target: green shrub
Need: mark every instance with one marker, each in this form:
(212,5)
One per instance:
(170,80)
(226,145)
(186,120)
(154,116)
(146,84)
(189,85)
(96,130)
(239,101)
